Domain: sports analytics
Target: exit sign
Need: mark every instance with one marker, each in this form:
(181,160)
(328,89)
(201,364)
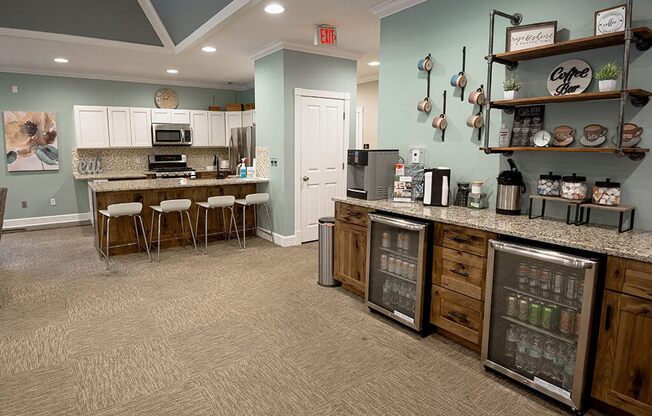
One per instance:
(326,35)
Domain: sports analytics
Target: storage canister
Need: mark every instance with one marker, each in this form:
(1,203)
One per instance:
(606,193)
(549,185)
(477,201)
(574,187)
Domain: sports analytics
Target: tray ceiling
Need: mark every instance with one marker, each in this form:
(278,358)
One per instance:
(180,20)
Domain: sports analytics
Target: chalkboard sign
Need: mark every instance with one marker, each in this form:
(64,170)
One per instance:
(570,77)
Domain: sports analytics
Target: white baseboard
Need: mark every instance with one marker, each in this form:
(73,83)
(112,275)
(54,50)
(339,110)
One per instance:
(281,240)
(46,222)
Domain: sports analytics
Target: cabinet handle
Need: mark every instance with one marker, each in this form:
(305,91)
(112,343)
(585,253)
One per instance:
(463,274)
(462,317)
(461,240)
(607,318)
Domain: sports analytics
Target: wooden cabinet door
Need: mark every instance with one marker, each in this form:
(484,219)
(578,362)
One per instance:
(200,130)
(91,127)
(217,134)
(351,255)
(141,127)
(119,126)
(623,372)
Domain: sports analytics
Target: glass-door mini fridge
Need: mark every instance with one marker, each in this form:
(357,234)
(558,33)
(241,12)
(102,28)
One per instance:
(537,321)
(396,268)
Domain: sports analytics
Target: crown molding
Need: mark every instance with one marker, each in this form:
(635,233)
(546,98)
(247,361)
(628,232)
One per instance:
(107,77)
(368,78)
(277,45)
(245,87)
(157,24)
(390,7)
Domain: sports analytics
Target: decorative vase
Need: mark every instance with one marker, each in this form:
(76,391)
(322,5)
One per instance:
(607,85)
(511,95)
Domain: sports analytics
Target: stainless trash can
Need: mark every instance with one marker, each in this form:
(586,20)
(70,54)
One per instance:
(326,230)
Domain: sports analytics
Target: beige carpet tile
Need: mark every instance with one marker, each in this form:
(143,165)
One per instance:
(42,291)
(123,374)
(45,391)
(332,407)
(184,399)
(32,315)
(96,304)
(263,385)
(27,350)
(92,336)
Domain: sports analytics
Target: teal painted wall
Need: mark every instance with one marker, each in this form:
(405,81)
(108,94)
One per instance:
(248,96)
(293,70)
(442,27)
(60,94)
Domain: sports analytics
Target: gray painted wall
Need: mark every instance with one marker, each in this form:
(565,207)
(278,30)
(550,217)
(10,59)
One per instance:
(59,94)
(442,27)
(275,115)
(248,96)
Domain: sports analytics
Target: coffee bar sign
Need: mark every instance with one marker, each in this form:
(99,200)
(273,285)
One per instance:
(570,77)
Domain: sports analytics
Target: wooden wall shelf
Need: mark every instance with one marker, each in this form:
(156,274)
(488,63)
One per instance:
(634,153)
(642,37)
(639,97)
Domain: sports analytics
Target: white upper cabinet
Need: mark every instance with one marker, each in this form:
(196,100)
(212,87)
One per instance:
(248,118)
(200,128)
(161,115)
(217,126)
(233,119)
(91,126)
(141,127)
(180,117)
(119,126)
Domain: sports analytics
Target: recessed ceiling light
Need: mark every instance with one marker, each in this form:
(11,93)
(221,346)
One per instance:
(172,71)
(208,49)
(61,60)
(374,63)
(274,8)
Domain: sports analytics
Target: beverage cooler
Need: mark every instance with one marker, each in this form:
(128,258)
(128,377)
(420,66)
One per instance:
(396,268)
(537,321)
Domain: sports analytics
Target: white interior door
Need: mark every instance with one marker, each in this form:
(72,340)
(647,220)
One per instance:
(322,157)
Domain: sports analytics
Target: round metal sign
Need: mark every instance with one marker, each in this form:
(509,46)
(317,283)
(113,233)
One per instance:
(570,77)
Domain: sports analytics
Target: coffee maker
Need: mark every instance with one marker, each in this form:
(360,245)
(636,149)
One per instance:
(510,188)
(436,187)
(370,173)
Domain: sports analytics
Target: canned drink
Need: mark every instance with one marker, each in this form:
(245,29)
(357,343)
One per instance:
(512,306)
(533,280)
(406,241)
(557,286)
(578,323)
(522,275)
(547,317)
(386,239)
(534,316)
(579,293)
(545,284)
(391,264)
(399,267)
(523,309)
(413,271)
(399,240)
(567,321)
(406,269)
(571,288)
(383,262)
(555,318)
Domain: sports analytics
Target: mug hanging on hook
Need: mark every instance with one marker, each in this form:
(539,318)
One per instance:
(475,121)
(425,64)
(478,97)
(440,122)
(424,105)
(458,80)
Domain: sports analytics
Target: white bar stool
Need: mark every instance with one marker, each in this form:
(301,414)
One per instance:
(255,200)
(213,203)
(167,206)
(129,209)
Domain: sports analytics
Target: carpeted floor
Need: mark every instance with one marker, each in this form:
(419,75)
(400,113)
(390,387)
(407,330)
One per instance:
(233,333)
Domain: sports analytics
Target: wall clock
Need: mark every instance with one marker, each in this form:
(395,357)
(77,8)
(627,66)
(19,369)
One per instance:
(166,98)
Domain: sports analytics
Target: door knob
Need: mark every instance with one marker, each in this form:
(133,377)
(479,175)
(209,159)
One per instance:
(306,178)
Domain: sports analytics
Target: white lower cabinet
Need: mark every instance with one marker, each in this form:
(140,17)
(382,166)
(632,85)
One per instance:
(200,128)
(91,126)
(217,126)
(141,127)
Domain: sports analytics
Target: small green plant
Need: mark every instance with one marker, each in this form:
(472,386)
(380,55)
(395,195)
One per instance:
(512,84)
(608,71)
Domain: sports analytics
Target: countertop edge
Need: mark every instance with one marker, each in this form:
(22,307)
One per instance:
(158,184)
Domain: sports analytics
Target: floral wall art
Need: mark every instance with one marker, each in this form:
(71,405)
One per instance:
(31,141)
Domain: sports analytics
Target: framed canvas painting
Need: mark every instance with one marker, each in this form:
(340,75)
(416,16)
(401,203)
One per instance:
(31,141)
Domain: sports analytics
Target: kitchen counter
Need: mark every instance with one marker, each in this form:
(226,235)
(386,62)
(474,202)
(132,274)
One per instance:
(155,184)
(635,244)
(110,175)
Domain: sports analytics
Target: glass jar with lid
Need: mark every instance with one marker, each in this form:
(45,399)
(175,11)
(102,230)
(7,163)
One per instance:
(606,193)
(574,187)
(549,185)
(477,201)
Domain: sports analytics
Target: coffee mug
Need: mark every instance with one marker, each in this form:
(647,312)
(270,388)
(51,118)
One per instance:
(425,64)
(424,105)
(477,97)
(563,133)
(458,80)
(440,122)
(593,132)
(631,131)
(475,121)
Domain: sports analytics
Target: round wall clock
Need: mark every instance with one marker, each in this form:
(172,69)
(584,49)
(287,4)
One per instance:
(166,98)
(542,138)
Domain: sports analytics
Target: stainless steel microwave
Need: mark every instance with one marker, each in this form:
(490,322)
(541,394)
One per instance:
(171,135)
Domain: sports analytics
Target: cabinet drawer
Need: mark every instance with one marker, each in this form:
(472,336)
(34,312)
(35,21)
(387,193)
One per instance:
(463,239)
(351,214)
(459,271)
(458,314)
(629,276)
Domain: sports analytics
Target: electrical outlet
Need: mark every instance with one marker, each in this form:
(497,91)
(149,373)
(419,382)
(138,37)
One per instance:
(14,89)
(53,201)
(23,204)
(274,161)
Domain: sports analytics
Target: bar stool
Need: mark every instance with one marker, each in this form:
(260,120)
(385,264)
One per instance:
(129,209)
(255,200)
(213,203)
(168,206)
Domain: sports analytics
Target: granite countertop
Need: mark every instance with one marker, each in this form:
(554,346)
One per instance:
(110,175)
(154,184)
(635,244)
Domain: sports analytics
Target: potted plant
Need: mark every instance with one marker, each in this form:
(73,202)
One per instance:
(607,76)
(511,86)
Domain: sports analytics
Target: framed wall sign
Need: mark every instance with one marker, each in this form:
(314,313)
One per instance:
(611,20)
(530,36)
(569,77)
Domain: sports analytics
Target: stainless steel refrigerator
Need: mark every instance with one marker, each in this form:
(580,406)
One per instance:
(396,268)
(537,318)
(242,144)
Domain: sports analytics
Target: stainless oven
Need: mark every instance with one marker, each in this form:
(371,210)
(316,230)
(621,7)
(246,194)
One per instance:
(171,135)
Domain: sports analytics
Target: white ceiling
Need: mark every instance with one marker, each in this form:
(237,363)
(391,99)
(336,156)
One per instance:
(238,34)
